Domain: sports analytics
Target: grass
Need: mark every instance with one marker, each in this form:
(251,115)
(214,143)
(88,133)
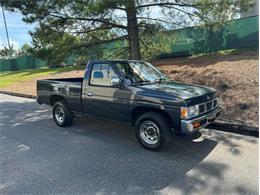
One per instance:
(10,77)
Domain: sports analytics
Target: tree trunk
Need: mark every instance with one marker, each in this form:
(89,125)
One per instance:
(132,30)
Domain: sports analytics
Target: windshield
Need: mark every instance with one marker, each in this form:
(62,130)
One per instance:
(139,72)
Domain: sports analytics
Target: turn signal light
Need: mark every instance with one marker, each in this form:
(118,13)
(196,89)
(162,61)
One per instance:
(196,125)
(184,112)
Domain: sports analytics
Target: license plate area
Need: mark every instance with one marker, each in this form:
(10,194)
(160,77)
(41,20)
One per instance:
(212,117)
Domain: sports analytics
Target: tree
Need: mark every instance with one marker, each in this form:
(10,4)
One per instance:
(56,47)
(26,49)
(9,53)
(6,52)
(100,21)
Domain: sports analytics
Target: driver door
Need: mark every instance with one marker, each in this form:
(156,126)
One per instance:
(102,99)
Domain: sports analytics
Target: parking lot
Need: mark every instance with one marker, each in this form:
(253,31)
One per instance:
(101,157)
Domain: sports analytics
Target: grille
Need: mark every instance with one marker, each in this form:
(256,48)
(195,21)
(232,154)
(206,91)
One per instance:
(205,107)
(201,108)
(209,105)
(215,102)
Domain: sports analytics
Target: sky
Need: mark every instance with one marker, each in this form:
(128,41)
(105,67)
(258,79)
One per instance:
(17,29)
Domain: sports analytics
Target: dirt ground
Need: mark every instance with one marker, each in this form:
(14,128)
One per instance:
(29,86)
(235,76)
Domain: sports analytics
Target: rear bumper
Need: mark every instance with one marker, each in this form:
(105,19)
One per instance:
(189,126)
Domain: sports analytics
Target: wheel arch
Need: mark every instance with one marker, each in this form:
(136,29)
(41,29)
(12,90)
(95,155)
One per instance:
(55,98)
(138,111)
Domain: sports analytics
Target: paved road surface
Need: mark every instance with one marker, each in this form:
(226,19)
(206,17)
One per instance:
(98,157)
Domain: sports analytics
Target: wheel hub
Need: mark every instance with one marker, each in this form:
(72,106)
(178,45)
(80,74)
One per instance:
(59,114)
(150,132)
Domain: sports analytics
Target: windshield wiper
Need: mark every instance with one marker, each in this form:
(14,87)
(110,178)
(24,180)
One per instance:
(143,82)
(160,79)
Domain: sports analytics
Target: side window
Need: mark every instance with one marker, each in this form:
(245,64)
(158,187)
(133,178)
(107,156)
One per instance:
(102,75)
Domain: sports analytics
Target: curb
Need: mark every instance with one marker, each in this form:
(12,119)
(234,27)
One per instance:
(18,94)
(234,128)
(216,125)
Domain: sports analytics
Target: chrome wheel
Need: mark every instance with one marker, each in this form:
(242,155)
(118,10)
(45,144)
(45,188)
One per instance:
(150,132)
(59,114)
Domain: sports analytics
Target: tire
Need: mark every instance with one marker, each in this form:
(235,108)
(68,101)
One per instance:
(61,114)
(152,130)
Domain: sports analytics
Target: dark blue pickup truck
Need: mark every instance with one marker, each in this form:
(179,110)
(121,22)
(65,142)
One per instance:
(132,92)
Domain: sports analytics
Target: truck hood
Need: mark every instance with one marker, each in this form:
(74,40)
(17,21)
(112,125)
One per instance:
(180,90)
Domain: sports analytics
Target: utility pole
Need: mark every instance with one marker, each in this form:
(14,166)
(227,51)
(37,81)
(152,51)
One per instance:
(6,31)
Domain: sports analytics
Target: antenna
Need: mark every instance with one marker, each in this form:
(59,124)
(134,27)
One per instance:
(7,36)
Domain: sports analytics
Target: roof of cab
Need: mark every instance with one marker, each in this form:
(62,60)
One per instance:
(115,60)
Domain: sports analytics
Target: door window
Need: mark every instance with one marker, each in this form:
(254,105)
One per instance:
(102,74)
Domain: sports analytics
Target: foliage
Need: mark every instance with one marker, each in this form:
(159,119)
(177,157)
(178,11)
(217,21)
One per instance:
(52,46)
(155,42)
(7,53)
(66,27)
(25,50)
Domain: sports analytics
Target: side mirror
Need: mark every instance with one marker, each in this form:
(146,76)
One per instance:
(115,82)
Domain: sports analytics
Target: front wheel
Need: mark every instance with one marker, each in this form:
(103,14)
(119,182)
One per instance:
(61,114)
(151,130)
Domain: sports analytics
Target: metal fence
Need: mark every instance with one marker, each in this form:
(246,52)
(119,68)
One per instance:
(236,34)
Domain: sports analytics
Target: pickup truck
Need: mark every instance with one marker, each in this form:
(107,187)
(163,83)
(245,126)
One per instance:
(132,92)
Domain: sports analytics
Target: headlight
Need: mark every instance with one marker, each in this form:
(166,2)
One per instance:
(194,110)
(218,101)
(189,111)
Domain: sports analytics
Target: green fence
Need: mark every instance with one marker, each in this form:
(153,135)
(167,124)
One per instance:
(20,63)
(236,34)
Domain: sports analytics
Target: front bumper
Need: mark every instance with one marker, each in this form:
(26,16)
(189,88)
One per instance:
(189,126)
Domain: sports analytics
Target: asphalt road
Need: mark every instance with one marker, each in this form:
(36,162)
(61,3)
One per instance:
(99,157)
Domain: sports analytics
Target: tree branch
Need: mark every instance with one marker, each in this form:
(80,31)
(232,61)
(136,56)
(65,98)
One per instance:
(117,52)
(100,42)
(114,7)
(141,40)
(104,21)
(91,30)
(166,4)
(188,13)
(155,19)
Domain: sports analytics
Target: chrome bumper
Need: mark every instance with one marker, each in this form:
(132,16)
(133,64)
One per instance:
(187,125)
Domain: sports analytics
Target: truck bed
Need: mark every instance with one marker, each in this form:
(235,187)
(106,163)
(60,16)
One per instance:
(68,88)
(76,79)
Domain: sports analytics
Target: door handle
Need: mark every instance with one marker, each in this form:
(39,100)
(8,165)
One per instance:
(89,94)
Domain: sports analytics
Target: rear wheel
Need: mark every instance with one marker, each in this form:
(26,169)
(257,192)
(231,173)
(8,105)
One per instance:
(61,114)
(152,130)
